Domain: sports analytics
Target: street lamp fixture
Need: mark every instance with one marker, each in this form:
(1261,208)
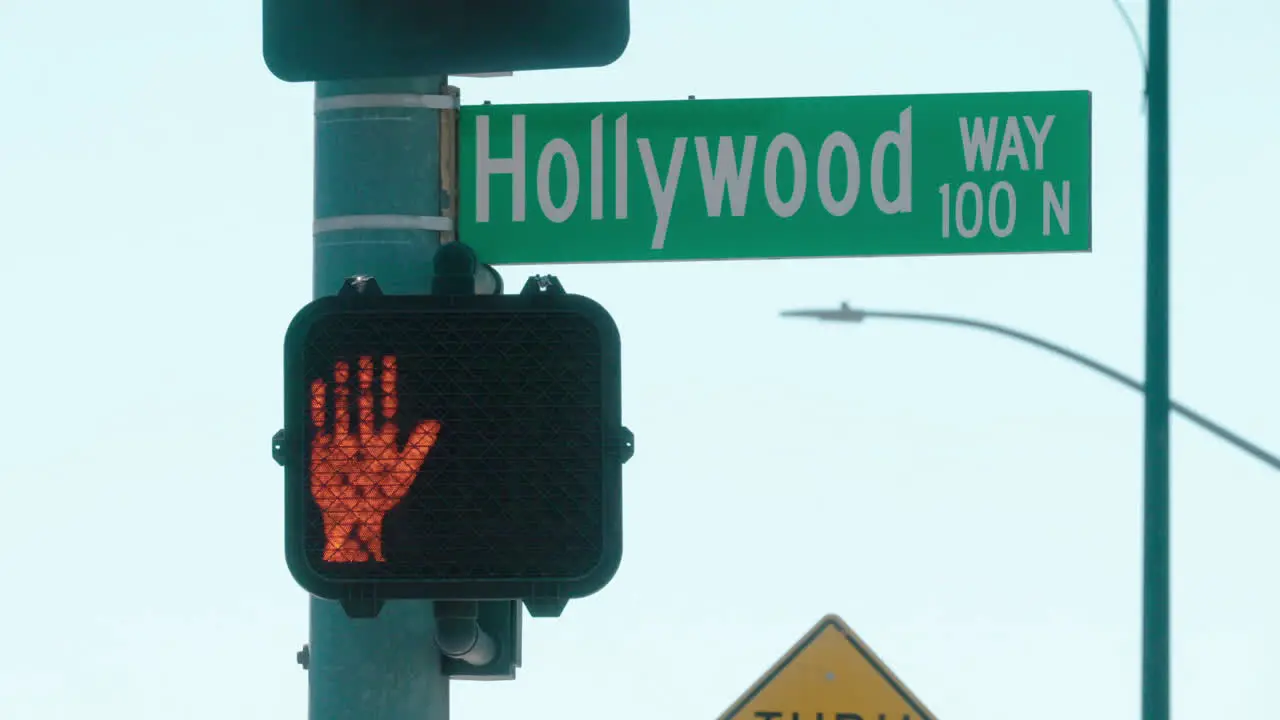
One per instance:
(847,314)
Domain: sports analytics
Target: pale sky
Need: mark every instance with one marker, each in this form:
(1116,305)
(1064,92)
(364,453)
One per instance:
(971,507)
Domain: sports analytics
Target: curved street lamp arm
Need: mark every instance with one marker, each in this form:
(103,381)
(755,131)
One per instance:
(1133,33)
(1088,362)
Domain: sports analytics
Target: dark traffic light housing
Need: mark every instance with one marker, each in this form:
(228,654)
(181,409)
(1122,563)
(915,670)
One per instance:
(453,447)
(310,40)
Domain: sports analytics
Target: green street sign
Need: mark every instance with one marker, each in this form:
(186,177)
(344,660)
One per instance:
(777,178)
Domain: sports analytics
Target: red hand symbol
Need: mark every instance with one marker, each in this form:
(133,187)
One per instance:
(356,479)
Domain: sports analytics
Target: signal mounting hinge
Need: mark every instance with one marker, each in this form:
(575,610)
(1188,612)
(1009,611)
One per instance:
(359,285)
(538,284)
(277,448)
(626,444)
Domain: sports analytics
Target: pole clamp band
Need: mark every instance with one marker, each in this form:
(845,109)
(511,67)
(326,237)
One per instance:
(386,100)
(381,222)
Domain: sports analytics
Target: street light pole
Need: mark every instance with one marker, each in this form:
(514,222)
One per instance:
(1156,655)
(1157,403)
(847,314)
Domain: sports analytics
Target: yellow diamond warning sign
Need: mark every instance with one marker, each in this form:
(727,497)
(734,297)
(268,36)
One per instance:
(829,675)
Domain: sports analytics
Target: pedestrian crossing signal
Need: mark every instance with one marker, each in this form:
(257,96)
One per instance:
(443,447)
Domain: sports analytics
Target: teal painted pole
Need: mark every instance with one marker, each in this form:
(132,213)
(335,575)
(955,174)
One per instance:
(377,196)
(1156,591)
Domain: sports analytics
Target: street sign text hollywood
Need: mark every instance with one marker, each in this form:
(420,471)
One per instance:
(723,172)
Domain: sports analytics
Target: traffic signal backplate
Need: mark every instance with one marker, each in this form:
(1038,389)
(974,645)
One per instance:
(310,40)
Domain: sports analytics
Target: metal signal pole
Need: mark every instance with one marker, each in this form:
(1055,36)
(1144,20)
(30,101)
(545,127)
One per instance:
(378,211)
(1156,630)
